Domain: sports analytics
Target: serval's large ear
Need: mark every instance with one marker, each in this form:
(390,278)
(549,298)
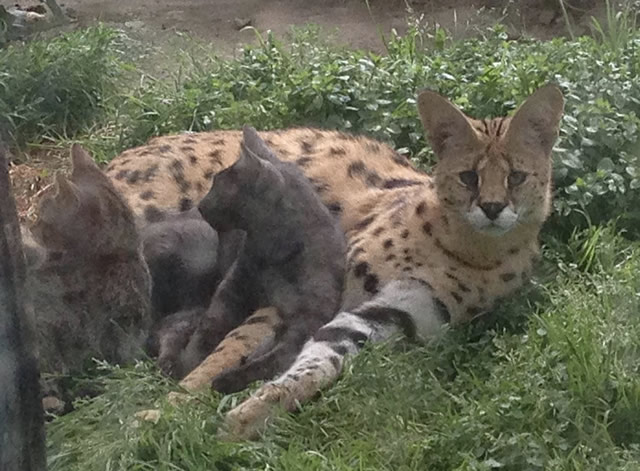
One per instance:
(446,126)
(82,162)
(535,124)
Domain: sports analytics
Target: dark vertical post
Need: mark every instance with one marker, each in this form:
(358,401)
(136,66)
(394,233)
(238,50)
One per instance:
(21,415)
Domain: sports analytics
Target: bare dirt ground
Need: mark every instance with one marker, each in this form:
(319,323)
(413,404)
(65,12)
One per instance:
(352,22)
(163,27)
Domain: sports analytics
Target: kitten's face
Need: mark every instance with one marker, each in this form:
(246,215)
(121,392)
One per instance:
(223,206)
(86,214)
(244,193)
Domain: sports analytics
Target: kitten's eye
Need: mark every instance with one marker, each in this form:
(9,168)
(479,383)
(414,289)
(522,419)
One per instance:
(469,178)
(516,178)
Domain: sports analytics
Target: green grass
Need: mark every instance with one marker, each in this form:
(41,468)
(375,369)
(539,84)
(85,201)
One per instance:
(551,381)
(56,88)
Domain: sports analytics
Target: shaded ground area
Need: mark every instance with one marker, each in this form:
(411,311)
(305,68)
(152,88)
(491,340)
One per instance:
(353,22)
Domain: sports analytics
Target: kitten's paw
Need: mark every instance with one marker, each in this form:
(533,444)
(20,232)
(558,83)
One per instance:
(247,420)
(168,364)
(230,381)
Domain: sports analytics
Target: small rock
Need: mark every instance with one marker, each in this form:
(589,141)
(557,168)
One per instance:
(240,23)
(150,415)
(136,24)
(52,405)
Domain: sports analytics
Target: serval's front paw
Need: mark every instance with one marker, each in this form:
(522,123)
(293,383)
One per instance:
(247,420)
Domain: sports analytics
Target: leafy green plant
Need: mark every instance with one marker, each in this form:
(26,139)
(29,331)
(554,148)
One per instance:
(620,25)
(596,164)
(56,88)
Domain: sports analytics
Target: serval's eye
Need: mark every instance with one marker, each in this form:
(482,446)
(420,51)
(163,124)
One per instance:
(516,178)
(469,178)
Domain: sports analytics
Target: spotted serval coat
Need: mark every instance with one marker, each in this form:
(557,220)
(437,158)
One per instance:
(423,250)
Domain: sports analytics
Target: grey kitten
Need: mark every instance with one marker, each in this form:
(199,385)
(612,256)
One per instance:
(87,277)
(182,254)
(293,259)
(187,260)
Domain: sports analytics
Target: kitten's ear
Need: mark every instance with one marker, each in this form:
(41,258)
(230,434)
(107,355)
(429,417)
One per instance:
(535,124)
(67,197)
(82,162)
(446,126)
(266,178)
(254,143)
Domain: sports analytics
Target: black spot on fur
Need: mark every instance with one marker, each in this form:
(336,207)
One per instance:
(421,208)
(426,227)
(405,234)
(214,155)
(361,269)
(408,259)
(378,231)
(388,315)
(186,204)
(463,262)
(356,168)
(336,151)
(193,159)
(153,214)
(462,287)
(365,222)
(304,161)
(335,208)
(373,179)
(339,334)
(399,183)
(357,251)
(208,175)
(164,149)
(387,244)
(390,257)
(339,349)
(506,277)
(186,149)
(456,296)
(133,177)
(149,173)
(122,174)
(514,250)
(442,310)
(371,283)
(177,166)
(147,195)
(320,187)
(407,269)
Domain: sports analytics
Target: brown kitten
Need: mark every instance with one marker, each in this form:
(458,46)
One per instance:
(89,283)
